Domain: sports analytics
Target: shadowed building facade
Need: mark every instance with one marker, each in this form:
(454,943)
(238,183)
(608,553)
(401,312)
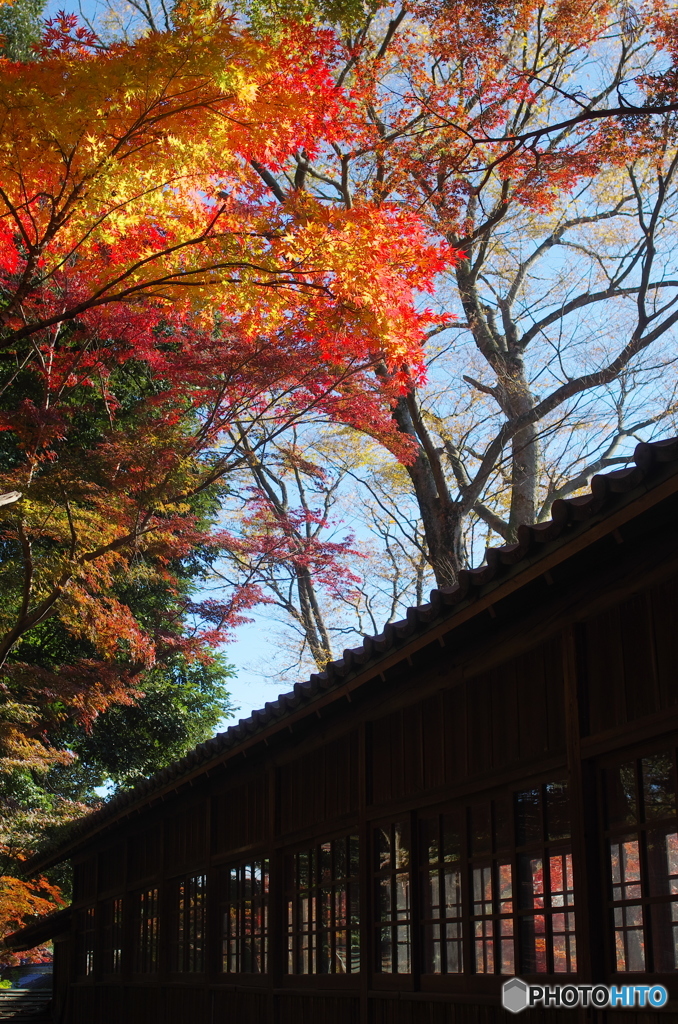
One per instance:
(487,789)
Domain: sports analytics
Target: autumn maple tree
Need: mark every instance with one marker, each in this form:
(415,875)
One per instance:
(163,318)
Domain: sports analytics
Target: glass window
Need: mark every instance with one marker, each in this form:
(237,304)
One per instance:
(392,898)
(245,890)
(441,887)
(323,908)
(87,940)
(146,932)
(191,919)
(111,946)
(491,884)
(496,886)
(642,839)
(545,880)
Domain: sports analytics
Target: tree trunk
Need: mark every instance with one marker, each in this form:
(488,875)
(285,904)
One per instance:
(312,619)
(524,453)
(440,515)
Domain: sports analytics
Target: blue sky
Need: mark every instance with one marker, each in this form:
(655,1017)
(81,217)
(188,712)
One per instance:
(250,690)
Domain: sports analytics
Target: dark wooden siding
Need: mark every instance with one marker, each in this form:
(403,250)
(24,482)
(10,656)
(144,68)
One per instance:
(240,816)
(511,714)
(144,853)
(186,837)
(630,653)
(337,1009)
(111,868)
(231,1006)
(84,879)
(327,778)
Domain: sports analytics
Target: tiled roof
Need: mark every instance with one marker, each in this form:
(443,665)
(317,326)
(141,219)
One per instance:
(42,930)
(570,515)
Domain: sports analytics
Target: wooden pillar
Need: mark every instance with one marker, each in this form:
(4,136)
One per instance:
(365,876)
(588,883)
(277,920)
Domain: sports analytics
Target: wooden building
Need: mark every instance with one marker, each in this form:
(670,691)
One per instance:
(486,789)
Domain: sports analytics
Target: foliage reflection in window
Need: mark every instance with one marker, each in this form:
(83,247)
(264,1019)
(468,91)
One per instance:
(87,938)
(392,898)
(546,884)
(642,835)
(323,920)
(191,910)
(491,877)
(441,894)
(146,932)
(245,890)
(111,949)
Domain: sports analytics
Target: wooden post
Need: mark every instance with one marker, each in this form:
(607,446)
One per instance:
(589,904)
(365,874)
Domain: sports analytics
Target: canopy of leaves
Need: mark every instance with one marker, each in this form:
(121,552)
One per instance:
(20,28)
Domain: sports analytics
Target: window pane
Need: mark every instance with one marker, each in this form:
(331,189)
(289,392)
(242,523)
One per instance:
(629,938)
(191,909)
(662,859)
(325,862)
(452,882)
(503,832)
(353,855)
(454,962)
(385,900)
(482,890)
(403,949)
(620,788)
(557,810)
(433,949)
(484,946)
(146,932)
(625,865)
(662,862)
(531,874)
(87,935)
(441,894)
(564,944)
(430,841)
(245,920)
(384,951)
(340,862)
(451,838)
(628,916)
(322,902)
(561,880)
(659,794)
(117,937)
(401,845)
(481,830)
(402,896)
(392,899)
(528,817)
(382,848)
(534,959)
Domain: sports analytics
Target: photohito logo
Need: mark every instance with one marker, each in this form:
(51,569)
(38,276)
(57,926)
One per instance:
(517,995)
